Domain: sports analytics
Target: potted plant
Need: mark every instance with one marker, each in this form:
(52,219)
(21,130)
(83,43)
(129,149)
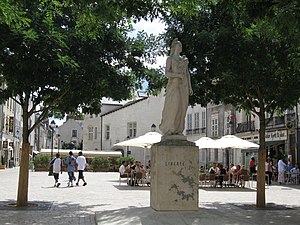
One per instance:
(41,162)
(100,164)
(2,165)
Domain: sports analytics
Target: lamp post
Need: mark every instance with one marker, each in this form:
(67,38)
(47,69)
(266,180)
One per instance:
(153,127)
(58,143)
(127,147)
(52,126)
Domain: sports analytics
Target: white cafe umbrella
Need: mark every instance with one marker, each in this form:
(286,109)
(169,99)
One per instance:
(144,141)
(206,142)
(231,141)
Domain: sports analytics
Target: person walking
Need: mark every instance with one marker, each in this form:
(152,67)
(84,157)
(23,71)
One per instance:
(56,169)
(71,163)
(252,166)
(81,161)
(269,171)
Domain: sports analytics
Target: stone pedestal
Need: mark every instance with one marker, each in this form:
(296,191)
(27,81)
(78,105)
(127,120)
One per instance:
(174,175)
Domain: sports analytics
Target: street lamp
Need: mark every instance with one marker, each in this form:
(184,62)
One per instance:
(127,147)
(52,126)
(153,127)
(58,144)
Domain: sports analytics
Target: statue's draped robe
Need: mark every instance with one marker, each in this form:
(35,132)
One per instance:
(177,97)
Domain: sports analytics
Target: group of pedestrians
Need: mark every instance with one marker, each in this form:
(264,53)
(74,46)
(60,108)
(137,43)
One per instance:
(72,163)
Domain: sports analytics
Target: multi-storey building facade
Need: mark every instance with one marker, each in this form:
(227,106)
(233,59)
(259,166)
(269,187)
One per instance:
(135,118)
(11,132)
(92,134)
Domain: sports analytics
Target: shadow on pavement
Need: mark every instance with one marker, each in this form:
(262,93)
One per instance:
(132,188)
(48,213)
(231,189)
(208,214)
(32,205)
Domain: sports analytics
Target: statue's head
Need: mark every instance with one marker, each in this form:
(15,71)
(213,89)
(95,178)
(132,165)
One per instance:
(175,44)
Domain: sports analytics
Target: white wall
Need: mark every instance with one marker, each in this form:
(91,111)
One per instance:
(144,112)
(65,131)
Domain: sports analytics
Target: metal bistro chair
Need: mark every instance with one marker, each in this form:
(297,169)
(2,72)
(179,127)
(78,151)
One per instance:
(226,180)
(139,178)
(244,179)
(211,178)
(125,175)
(202,179)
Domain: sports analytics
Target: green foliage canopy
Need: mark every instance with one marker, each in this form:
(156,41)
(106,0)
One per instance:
(241,52)
(70,54)
(61,56)
(245,53)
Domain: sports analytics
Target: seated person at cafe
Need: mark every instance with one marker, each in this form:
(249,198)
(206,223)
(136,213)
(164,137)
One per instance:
(134,168)
(295,172)
(130,170)
(214,169)
(222,172)
(240,174)
(130,167)
(231,170)
(236,173)
(122,170)
(137,168)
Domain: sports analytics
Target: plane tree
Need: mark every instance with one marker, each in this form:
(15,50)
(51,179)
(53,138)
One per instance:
(244,53)
(62,56)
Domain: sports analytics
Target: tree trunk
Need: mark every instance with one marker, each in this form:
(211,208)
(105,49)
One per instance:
(260,193)
(22,198)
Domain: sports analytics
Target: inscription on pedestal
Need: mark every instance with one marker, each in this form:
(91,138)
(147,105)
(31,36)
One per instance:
(174,177)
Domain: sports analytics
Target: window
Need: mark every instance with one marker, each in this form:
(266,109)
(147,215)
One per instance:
(203,155)
(74,133)
(189,122)
(90,133)
(216,158)
(95,133)
(131,129)
(107,132)
(196,120)
(214,126)
(203,119)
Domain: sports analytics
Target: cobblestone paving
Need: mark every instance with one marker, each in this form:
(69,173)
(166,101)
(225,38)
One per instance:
(103,201)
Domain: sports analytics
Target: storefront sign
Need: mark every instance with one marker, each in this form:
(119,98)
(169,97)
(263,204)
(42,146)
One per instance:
(276,135)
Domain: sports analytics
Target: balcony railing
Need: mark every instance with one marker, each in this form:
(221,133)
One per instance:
(246,126)
(195,131)
(280,121)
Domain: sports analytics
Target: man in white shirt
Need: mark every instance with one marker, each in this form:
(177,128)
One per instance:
(122,169)
(81,163)
(56,163)
(281,170)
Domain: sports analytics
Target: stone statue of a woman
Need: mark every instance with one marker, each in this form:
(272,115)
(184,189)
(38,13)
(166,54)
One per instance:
(177,92)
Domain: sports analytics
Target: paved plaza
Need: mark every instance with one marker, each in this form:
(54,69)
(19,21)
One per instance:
(103,201)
